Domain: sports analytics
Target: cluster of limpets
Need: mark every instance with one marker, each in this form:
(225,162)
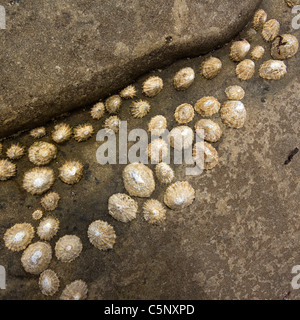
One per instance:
(139,179)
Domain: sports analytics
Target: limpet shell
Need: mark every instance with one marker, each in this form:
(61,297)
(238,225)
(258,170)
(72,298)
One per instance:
(152,86)
(97,111)
(184,78)
(48,228)
(181,137)
(209,154)
(62,132)
(38,180)
(257,53)
(37,214)
(68,248)
(179,195)
(112,124)
(15,151)
(270,30)
(259,19)
(154,211)
(140,109)
(48,282)
(211,67)
(122,207)
(233,113)
(184,113)
(239,50)
(212,131)
(207,106)
(113,104)
(164,173)
(83,132)
(42,153)
(50,201)
(7,170)
(157,125)
(284,46)
(71,172)
(157,150)
(128,93)
(272,70)
(19,236)
(36,258)
(245,69)
(235,93)
(138,180)
(77,290)
(101,235)
(38,132)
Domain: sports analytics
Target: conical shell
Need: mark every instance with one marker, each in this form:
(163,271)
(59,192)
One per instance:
(38,132)
(138,180)
(184,113)
(37,214)
(205,155)
(181,137)
(179,195)
(239,50)
(164,173)
(97,111)
(15,151)
(157,150)
(48,228)
(284,47)
(245,69)
(140,109)
(233,113)
(19,236)
(260,18)
(272,70)
(212,131)
(113,104)
(122,207)
(38,180)
(71,172)
(257,53)
(152,86)
(68,248)
(101,235)
(7,170)
(48,282)
(154,211)
(270,30)
(128,93)
(235,93)
(50,201)
(157,125)
(211,67)
(112,124)
(36,258)
(42,153)
(184,78)
(83,132)
(77,290)
(62,132)
(207,106)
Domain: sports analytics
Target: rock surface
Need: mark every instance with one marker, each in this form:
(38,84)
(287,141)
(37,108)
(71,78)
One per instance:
(56,56)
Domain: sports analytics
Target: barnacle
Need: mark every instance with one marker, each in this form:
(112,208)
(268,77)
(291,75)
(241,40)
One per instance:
(38,180)
(68,248)
(101,235)
(18,236)
(122,207)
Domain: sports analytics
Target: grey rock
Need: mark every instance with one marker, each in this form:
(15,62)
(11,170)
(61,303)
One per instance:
(60,55)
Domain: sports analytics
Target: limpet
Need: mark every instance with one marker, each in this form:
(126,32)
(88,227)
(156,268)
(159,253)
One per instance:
(61,133)
(259,19)
(122,207)
(152,86)
(83,132)
(7,170)
(48,228)
(208,153)
(154,211)
(157,150)
(270,30)
(272,70)
(184,78)
(48,282)
(68,248)
(97,111)
(71,172)
(245,69)
(184,113)
(19,236)
(212,131)
(113,104)
(112,124)
(38,132)
(42,153)
(257,53)
(77,290)
(235,93)
(50,201)
(38,180)
(239,50)
(181,137)
(207,106)
(140,109)
(15,151)
(233,113)
(179,195)
(211,67)
(128,93)
(284,46)
(164,173)
(101,235)
(37,214)
(157,125)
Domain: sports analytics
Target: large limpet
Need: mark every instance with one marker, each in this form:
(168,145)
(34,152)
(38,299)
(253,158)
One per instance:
(284,46)
(272,70)
(19,236)
(38,180)
(179,195)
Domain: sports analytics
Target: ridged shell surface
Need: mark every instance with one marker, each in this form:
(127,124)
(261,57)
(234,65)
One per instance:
(284,46)
(184,78)
(122,207)
(19,236)
(272,70)
(77,290)
(48,282)
(179,195)
(68,248)
(212,131)
(101,235)
(233,113)
(38,180)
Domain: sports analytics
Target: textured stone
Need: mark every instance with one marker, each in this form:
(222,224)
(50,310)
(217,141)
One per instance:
(59,55)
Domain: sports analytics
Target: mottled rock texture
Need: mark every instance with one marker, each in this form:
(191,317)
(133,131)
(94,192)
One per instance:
(59,55)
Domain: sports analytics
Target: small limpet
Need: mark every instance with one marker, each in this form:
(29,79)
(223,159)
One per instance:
(61,133)
(101,235)
(68,248)
(211,67)
(207,106)
(7,170)
(152,86)
(272,70)
(48,282)
(38,180)
(36,257)
(71,172)
(164,173)
(48,228)
(38,132)
(181,137)
(83,132)
(157,125)
(37,214)
(42,153)
(233,113)
(97,111)
(154,211)
(239,50)
(257,53)
(245,69)
(128,93)
(270,30)
(184,113)
(184,78)
(260,17)
(77,290)
(19,236)
(179,195)
(157,150)
(138,180)
(235,93)
(50,201)
(140,109)
(212,131)
(284,46)
(112,124)
(122,207)
(208,153)
(113,103)
(15,151)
